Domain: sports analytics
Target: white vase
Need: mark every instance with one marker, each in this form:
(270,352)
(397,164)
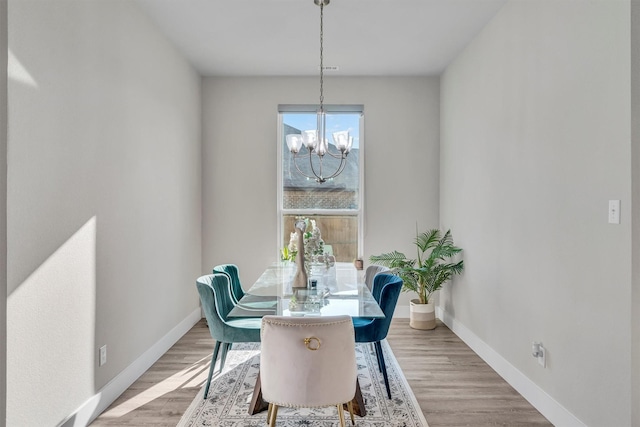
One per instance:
(422,316)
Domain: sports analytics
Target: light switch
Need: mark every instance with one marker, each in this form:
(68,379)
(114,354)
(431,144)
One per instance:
(614,211)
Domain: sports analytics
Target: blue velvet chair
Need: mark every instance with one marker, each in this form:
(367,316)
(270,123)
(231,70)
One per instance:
(231,270)
(215,296)
(386,289)
(371,272)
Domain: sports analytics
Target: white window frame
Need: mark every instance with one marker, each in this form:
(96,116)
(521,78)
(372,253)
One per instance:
(310,108)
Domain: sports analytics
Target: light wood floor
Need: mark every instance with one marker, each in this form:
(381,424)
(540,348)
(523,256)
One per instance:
(452,384)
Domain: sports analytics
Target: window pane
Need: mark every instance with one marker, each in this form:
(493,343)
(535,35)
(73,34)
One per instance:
(339,233)
(341,192)
(335,205)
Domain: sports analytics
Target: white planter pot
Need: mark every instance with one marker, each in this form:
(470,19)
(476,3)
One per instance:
(422,316)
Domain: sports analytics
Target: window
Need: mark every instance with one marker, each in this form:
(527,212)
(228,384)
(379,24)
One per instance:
(335,205)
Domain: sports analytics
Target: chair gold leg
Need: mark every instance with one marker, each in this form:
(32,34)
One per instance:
(269,414)
(341,415)
(350,406)
(274,414)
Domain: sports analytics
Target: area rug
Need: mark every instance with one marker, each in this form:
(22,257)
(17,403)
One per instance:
(231,392)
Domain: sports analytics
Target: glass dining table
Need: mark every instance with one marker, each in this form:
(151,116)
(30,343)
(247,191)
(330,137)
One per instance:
(339,289)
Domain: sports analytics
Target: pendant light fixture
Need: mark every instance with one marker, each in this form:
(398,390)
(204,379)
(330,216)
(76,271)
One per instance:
(315,141)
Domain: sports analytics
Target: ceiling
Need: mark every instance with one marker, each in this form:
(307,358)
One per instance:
(282,37)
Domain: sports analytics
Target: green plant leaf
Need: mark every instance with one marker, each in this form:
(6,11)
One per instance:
(431,269)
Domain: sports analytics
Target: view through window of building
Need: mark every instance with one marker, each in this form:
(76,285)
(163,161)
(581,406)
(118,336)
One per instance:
(335,205)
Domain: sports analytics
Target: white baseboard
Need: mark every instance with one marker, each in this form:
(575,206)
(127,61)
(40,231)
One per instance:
(96,404)
(549,407)
(556,413)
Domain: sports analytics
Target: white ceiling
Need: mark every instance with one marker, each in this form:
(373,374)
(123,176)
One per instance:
(282,37)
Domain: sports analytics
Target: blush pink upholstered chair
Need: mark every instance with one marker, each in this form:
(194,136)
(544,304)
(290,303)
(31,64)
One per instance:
(308,362)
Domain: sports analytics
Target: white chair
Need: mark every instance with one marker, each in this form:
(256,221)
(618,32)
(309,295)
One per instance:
(371,272)
(308,362)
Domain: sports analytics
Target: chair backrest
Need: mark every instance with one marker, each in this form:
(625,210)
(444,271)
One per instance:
(231,270)
(308,361)
(371,272)
(215,296)
(386,289)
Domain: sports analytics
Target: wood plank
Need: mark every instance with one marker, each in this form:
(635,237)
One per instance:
(453,386)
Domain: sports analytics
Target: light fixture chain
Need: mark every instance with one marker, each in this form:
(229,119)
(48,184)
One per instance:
(321,55)
(320,147)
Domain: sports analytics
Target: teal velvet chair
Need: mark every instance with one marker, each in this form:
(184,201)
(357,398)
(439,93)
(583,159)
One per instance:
(215,296)
(231,270)
(386,289)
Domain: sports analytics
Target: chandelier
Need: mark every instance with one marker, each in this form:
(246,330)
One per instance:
(315,140)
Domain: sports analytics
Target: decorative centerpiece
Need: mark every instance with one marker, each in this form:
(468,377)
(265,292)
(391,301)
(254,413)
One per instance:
(312,245)
(300,278)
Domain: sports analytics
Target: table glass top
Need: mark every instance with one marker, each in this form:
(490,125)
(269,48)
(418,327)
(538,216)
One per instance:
(340,290)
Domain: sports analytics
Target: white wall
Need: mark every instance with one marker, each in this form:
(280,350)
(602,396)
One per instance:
(240,158)
(3,211)
(635,194)
(103,199)
(535,136)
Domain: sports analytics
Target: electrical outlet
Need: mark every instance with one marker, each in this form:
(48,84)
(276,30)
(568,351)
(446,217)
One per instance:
(103,355)
(542,358)
(539,352)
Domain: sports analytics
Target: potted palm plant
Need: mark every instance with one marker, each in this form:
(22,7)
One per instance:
(426,274)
